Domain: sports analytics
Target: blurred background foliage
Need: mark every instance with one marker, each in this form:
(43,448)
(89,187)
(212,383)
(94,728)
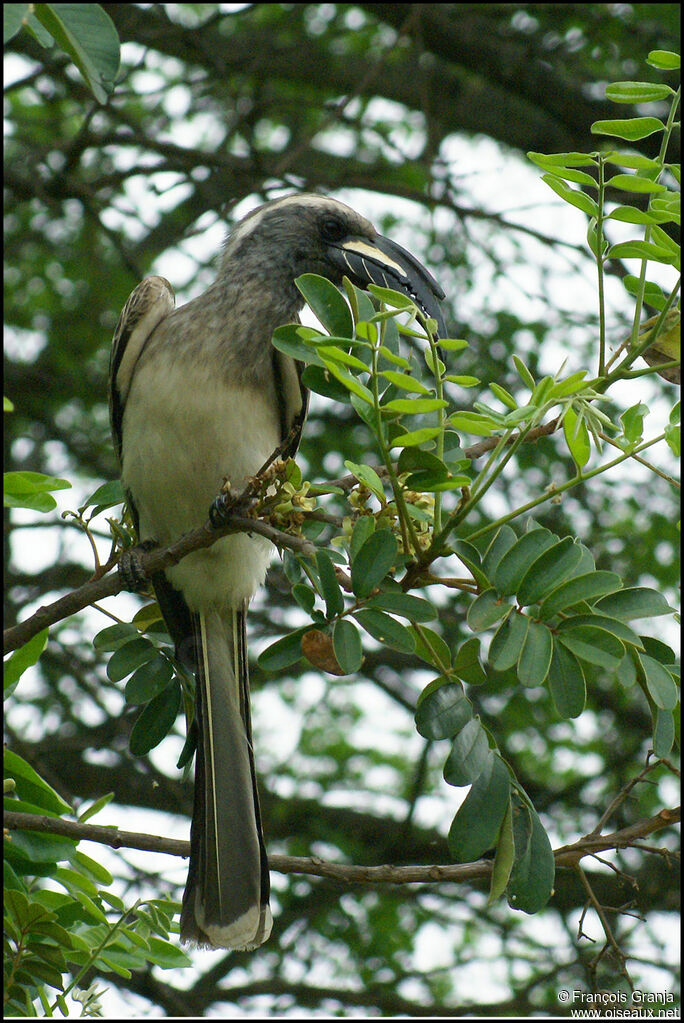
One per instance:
(419,116)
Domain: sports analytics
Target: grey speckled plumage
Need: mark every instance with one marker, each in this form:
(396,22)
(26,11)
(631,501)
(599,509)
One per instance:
(198,395)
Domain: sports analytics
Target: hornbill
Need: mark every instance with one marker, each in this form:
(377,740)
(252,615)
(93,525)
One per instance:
(199,395)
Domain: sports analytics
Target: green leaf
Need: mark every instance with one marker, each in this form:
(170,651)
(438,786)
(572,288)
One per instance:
(166,955)
(570,385)
(443,710)
(524,373)
(631,215)
(656,648)
(566,681)
(386,630)
(107,496)
(327,304)
(416,459)
(470,557)
(12,19)
(550,569)
(486,610)
(635,183)
(284,652)
(351,383)
(148,618)
(637,92)
(317,378)
(391,297)
(94,809)
(476,824)
(115,636)
(503,540)
(468,756)
(31,853)
(332,353)
(503,858)
(373,561)
(431,648)
(473,422)
(653,293)
(127,658)
(305,597)
(24,657)
(665,60)
(593,645)
(288,340)
(467,664)
(614,626)
(405,382)
(673,439)
(631,128)
(663,732)
(156,720)
(87,34)
(74,881)
(503,395)
(641,250)
(633,422)
(347,646)
(508,642)
(541,391)
(32,490)
(660,683)
(416,437)
(148,680)
(363,527)
(573,196)
(426,482)
(626,672)
(535,657)
(562,159)
(30,786)
(414,406)
(561,173)
(533,873)
(416,609)
(634,602)
(369,477)
(577,589)
(576,437)
(393,358)
(331,591)
(510,571)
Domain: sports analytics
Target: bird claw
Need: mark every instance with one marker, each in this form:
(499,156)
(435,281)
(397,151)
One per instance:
(129,567)
(218,511)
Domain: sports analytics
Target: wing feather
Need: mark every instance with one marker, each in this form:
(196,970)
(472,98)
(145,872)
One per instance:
(146,307)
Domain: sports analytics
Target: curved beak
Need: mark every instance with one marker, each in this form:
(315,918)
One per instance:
(389,265)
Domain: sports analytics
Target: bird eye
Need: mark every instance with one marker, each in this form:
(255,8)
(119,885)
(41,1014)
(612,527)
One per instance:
(332,229)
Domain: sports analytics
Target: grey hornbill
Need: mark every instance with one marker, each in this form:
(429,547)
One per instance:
(198,395)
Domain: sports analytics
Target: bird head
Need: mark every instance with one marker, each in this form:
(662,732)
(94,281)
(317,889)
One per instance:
(316,234)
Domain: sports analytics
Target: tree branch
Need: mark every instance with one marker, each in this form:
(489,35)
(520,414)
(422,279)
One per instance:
(566,856)
(160,558)
(151,563)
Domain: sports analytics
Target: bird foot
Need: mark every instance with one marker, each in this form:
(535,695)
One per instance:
(131,572)
(220,509)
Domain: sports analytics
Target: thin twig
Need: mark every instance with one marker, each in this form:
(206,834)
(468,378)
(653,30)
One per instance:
(607,930)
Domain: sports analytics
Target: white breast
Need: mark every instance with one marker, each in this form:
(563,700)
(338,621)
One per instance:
(193,430)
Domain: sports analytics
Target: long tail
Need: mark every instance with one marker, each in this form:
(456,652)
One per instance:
(225,904)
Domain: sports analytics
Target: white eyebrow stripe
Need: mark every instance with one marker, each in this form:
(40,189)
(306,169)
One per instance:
(365,248)
(322,202)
